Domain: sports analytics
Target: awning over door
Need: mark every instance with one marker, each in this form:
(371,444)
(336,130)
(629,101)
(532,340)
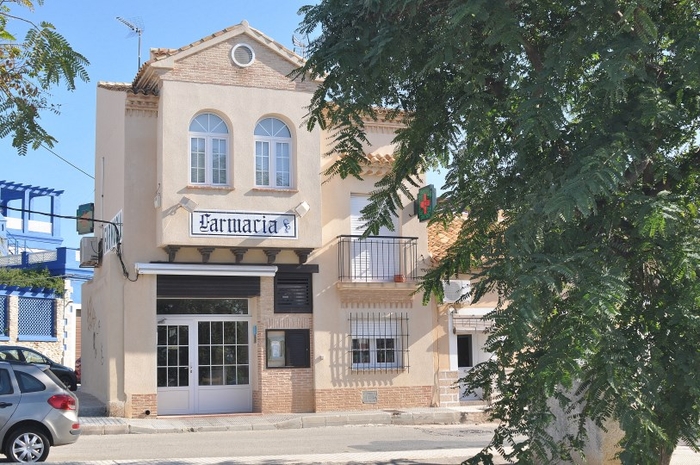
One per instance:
(465,323)
(186,269)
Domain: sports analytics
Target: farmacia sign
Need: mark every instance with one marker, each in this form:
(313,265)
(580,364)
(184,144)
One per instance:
(243,224)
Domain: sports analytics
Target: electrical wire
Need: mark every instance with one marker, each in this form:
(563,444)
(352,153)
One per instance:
(118,248)
(66,161)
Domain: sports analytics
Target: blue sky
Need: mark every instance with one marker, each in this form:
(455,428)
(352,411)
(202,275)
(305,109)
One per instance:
(111,47)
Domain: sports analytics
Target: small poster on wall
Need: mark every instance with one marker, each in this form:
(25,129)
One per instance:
(275,349)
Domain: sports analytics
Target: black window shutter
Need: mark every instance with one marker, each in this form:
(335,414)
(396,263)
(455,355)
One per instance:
(293,293)
(298,348)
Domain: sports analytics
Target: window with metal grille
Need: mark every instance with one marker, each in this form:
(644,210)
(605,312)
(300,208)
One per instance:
(379,342)
(293,293)
(4,320)
(37,319)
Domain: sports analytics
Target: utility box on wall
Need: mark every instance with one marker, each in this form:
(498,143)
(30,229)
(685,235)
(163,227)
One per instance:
(90,252)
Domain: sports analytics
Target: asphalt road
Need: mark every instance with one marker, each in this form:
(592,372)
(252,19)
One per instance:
(359,444)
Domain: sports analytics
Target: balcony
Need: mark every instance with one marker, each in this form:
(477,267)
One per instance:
(377,268)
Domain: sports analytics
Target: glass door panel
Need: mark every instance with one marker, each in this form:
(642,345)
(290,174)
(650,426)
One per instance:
(223,353)
(173,355)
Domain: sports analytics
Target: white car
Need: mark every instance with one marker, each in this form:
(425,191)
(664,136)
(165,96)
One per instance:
(36,412)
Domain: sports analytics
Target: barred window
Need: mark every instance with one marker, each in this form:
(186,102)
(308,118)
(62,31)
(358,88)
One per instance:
(379,342)
(4,320)
(36,319)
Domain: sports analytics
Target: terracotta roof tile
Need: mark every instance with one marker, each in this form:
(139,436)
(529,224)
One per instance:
(120,86)
(383,155)
(441,238)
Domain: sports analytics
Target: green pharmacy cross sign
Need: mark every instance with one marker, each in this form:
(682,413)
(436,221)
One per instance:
(425,203)
(85,216)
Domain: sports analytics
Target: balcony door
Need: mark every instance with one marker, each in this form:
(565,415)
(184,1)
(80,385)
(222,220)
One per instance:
(375,258)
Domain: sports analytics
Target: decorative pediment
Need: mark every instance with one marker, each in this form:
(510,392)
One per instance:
(239,55)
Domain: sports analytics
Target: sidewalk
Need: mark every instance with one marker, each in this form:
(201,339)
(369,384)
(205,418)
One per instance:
(94,422)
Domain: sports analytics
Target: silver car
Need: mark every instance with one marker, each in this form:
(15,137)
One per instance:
(36,412)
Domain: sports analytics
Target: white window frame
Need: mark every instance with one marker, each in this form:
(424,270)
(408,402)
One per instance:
(210,140)
(273,141)
(373,351)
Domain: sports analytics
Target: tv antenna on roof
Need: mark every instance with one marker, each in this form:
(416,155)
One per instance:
(301,45)
(136,29)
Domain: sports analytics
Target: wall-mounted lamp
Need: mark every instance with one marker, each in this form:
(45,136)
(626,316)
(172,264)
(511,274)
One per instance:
(302,209)
(188,204)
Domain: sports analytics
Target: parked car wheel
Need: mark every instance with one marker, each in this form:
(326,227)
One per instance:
(27,445)
(68,381)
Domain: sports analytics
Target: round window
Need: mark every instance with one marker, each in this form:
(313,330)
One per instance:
(243,55)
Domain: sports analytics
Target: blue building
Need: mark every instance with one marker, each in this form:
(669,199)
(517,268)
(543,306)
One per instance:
(30,238)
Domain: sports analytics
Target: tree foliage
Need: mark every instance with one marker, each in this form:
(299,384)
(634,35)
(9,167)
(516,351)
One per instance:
(569,132)
(31,277)
(28,70)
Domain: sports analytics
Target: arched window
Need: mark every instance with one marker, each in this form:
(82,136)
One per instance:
(273,154)
(209,142)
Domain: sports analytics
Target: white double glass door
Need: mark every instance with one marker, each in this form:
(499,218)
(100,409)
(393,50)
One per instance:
(203,364)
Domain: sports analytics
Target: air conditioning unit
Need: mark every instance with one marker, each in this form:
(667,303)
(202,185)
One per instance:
(455,289)
(90,252)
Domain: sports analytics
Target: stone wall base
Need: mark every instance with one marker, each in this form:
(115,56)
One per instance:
(448,388)
(116,408)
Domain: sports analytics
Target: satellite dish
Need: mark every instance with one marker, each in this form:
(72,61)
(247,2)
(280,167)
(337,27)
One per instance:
(456,290)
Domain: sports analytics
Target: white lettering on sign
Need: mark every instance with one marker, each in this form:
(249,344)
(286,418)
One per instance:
(112,233)
(243,224)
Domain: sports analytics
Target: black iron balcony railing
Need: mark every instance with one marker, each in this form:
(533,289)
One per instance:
(377,258)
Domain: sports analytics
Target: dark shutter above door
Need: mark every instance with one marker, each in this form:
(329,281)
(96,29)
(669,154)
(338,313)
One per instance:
(208,286)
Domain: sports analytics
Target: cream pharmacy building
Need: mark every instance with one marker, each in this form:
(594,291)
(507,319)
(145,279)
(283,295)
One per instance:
(231,276)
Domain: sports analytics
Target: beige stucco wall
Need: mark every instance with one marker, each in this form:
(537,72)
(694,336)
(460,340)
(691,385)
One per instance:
(102,316)
(119,314)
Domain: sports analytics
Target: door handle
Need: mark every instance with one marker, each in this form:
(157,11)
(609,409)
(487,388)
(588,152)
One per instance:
(5,404)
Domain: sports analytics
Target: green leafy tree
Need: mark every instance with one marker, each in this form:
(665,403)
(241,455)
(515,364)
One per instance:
(31,277)
(28,70)
(569,132)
